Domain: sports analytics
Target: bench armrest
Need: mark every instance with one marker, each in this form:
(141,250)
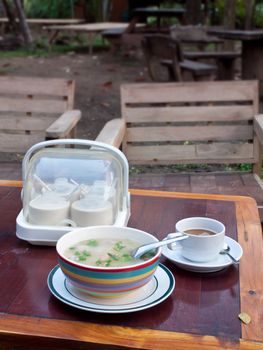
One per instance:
(113,132)
(64,126)
(258,127)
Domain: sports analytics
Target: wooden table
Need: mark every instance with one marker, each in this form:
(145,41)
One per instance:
(142,13)
(252,50)
(92,29)
(42,21)
(202,312)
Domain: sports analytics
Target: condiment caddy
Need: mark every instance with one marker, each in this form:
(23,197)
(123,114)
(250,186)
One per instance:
(71,183)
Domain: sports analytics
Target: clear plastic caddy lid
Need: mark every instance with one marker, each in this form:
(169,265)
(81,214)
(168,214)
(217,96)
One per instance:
(71,183)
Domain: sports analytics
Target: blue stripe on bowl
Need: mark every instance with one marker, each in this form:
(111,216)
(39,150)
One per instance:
(105,275)
(99,286)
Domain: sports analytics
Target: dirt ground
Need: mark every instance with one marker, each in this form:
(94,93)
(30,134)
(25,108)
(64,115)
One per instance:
(98,77)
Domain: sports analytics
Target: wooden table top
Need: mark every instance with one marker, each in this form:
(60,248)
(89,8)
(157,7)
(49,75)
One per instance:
(88,27)
(201,313)
(236,34)
(158,12)
(47,20)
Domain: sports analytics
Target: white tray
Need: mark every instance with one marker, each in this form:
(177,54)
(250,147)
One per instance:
(49,235)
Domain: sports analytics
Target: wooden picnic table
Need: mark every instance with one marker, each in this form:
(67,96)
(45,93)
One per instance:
(201,313)
(142,13)
(92,29)
(252,50)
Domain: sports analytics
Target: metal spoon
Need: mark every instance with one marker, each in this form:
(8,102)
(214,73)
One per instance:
(138,252)
(226,250)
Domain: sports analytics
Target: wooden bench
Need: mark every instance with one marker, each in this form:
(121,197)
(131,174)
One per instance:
(34,110)
(225,61)
(211,122)
(198,39)
(198,70)
(162,50)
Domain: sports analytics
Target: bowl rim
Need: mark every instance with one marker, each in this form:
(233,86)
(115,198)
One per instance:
(113,268)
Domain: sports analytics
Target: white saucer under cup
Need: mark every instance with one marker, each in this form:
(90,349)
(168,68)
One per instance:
(221,262)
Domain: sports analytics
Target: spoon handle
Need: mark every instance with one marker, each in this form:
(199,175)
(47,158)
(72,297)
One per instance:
(145,248)
(235,261)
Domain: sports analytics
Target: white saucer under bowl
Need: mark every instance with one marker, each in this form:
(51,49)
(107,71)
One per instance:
(221,262)
(153,293)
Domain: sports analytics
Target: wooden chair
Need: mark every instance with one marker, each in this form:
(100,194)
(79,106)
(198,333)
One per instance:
(34,110)
(162,51)
(211,122)
(195,41)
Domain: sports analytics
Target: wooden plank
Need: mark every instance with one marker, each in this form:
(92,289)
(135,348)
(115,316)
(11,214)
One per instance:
(112,132)
(56,333)
(224,151)
(71,87)
(189,92)
(212,54)
(250,238)
(186,154)
(20,123)
(34,86)
(90,27)
(236,183)
(11,183)
(199,185)
(189,133)
(188,113)
(32,105)
(258,127)
(63,125)
(19,142)
(46,20)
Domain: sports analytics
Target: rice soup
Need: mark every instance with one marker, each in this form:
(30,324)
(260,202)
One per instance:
(106,252)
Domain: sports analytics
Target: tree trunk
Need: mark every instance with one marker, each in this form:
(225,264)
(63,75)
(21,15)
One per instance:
(11,17)
(229,21)
(193,12)
(249,9)
(25,31)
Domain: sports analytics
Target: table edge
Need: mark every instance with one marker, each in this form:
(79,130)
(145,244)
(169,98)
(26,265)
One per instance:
(102,335)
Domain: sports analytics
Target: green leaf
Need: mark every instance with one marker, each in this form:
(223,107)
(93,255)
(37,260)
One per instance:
(92,243)
(244,317)
(118,246)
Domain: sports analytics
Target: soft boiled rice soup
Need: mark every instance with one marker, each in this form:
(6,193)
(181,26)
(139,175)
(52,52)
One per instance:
(106,252)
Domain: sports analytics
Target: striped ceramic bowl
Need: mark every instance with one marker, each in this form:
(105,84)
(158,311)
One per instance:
(106,281)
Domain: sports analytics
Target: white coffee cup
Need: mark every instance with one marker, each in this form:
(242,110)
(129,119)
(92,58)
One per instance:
(48,209)
(91,211)
(200,247)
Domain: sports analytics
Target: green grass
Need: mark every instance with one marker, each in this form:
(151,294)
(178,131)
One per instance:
(184,168)
(43,49)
